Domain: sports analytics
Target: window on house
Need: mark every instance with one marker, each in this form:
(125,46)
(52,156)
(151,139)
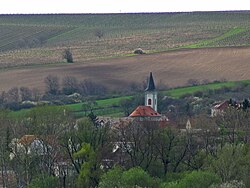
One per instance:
(149,101)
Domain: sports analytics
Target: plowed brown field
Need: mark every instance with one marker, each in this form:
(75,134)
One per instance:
(173,68)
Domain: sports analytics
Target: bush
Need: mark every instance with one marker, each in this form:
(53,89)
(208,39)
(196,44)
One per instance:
(198,94)
(235,167)
(67,54)
(139,51)
(172,177)
(195,179)
(134,177)
(137,177)
(12,106)
(28,104)
(232,184)
(44,181)
(112,178)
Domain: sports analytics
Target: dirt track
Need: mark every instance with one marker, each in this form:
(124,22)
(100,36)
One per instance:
(173,68)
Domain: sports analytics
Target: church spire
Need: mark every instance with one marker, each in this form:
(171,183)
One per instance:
(151,93)
(151,84)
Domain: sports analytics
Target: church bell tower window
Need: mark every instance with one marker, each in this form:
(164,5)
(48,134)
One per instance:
(149,102)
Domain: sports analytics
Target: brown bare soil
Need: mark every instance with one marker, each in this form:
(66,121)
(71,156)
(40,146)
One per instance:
(173,68)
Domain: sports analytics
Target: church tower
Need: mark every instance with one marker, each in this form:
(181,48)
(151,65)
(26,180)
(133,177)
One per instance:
(151,93)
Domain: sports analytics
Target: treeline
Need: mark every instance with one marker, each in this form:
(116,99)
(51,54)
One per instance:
(65,91)
(48,147)
(71,85)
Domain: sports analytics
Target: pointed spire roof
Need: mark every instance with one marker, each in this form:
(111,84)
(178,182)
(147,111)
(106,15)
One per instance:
(151,84)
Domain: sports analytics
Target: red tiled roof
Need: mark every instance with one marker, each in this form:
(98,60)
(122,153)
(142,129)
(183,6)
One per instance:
(27,139)
(144,111)
(221,106)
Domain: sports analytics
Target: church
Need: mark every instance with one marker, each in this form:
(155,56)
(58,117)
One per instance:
(148,111)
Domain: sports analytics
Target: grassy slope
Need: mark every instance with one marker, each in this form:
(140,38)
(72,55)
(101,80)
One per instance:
(104,103)
(179,92)
(111,106)
(123,33)
(217,40)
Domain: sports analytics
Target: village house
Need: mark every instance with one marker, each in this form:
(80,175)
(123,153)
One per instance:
(45,147)
(219,108)
(148,112)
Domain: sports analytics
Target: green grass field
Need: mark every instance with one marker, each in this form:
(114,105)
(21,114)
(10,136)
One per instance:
(104,103)
(179,92)
(226,39)
(111,106)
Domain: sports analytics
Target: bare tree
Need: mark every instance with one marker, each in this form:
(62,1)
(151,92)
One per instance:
(36,93)
(3,98)
(234,125)
(171,148)
(88,87)
(69,85)
(26,93)
(52,84)
(137,139)
(11,99)
(205,81)
(13,95)
(193,82)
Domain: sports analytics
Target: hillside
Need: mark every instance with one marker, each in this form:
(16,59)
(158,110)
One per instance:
(40,39)
(179,47)
(173,68)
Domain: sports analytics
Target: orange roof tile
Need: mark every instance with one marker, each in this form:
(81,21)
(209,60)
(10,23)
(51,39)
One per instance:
(27,139)
(221,106)
(144,111)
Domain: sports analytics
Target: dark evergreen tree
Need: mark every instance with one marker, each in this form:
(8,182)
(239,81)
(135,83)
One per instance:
(67,54)
(245,104)
(93,118)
